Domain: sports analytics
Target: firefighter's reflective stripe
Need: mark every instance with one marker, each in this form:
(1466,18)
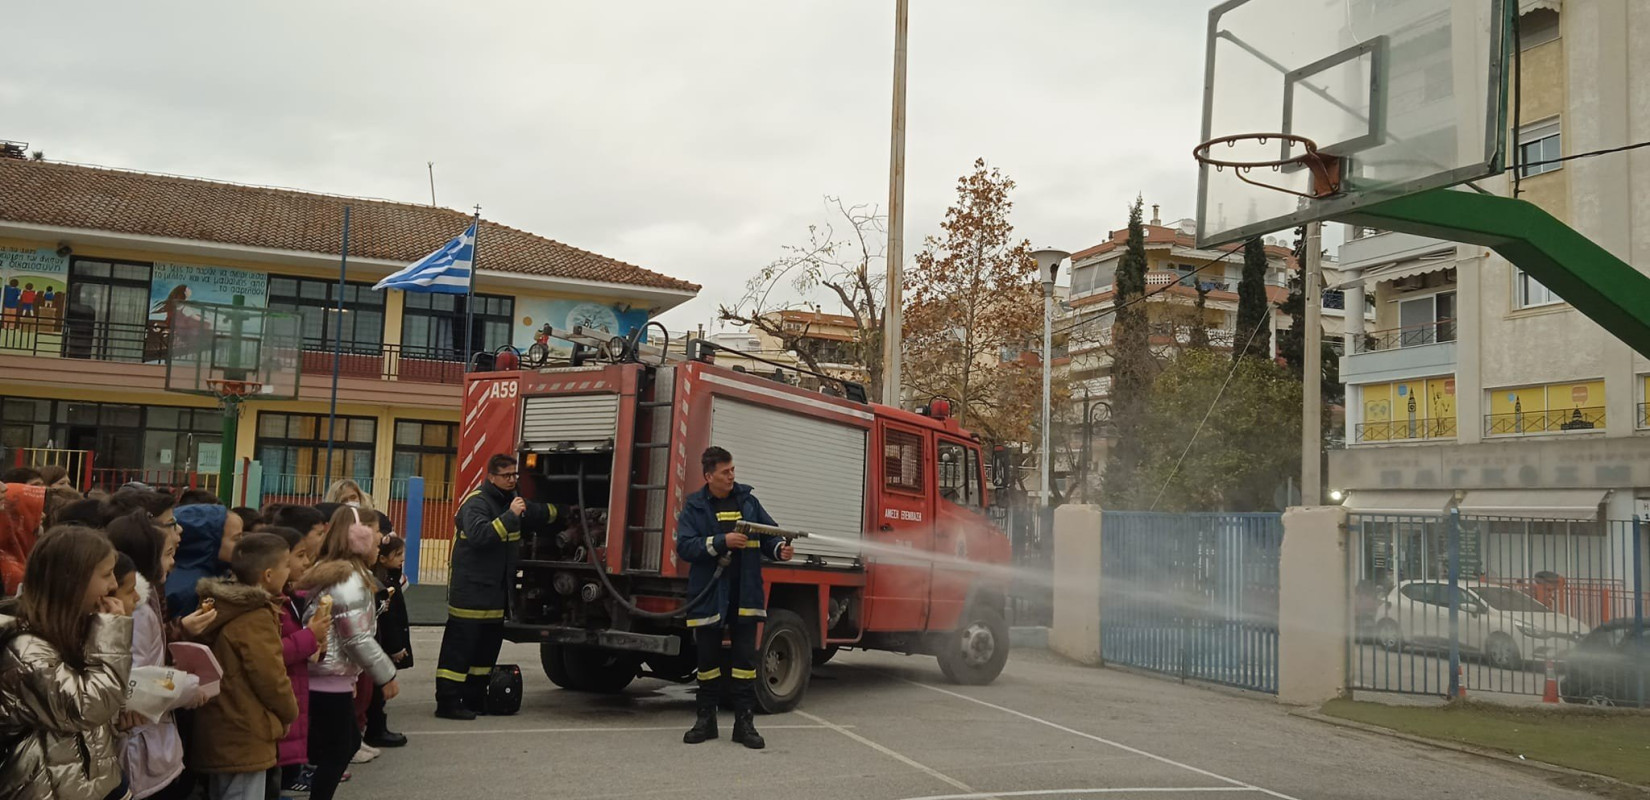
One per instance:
(505,534)
(728,516)
(449,675)
(457,531)
(744,674)
(753,612)
(475,613)
(752,544)
(710,545)
(710,674)
(480,672)
(710,620)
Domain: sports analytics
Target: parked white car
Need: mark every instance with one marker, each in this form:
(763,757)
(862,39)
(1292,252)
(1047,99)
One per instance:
(1504,625)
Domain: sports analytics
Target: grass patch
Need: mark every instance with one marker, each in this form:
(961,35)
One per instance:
(1614,743)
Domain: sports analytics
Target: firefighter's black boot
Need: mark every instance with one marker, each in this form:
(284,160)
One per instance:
(704,727)
(744,719)
(744,729)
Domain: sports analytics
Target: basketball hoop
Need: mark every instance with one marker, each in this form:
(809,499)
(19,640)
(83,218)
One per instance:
(1326,169)
(229,391)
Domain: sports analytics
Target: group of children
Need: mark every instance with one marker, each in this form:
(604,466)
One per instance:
(300,605)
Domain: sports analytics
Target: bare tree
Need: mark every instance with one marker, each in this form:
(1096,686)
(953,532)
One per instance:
(843,260)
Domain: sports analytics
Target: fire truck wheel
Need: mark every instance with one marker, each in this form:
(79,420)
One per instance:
(975,654)
(555,664)
(601,671)
(823,656)
(784,662)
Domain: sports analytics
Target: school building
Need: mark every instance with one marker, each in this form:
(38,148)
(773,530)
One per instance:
(93,262)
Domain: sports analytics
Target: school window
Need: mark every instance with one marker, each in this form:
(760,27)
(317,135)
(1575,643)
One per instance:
(902,460)
(1539,143)
(433,325)
(361,322)
(959,474)
(293,451)
(107,317)
(155,444)
(1529,293)
(426,450)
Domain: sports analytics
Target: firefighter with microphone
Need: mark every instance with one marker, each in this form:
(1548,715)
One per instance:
(705,535)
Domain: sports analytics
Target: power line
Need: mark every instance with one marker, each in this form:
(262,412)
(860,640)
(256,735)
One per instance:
(1605,152)
(1236,360)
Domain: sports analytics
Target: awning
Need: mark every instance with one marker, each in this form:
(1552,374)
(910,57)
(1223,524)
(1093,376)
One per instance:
(1571,504)
(1411,503)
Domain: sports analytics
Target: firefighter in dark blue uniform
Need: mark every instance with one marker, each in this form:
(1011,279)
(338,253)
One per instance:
(704,537)
(489,525)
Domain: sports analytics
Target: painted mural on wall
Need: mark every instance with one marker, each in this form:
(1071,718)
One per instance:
(171,322)
(33,295)
(532,313)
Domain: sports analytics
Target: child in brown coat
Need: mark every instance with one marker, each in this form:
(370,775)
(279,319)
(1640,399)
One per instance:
(237,733)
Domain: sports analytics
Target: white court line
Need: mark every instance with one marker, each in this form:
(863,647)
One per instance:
(933,773)
(1113,790)
(1119,745)
(636,729)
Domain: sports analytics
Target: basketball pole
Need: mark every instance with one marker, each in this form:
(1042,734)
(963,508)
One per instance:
(1312,370)
(893,304)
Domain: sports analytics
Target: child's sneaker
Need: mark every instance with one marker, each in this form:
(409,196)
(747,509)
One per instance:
(300,783)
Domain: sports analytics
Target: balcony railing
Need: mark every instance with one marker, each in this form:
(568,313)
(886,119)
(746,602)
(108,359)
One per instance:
(1404,430)
(1412,336)
(1558,420)
(88,339)
(1644,416)
(150,344)
(389,362)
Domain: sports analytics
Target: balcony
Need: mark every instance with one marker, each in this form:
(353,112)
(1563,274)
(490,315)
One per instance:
(1387,247)
(1526,423)
(143,344)
(1404,430)
(1401,353)
(1413,336)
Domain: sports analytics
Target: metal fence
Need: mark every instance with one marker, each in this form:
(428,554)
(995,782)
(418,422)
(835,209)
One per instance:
(1448,604)
(1192,595)
(430,505)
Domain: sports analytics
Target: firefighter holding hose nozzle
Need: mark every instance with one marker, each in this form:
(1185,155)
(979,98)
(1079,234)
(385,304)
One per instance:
(705,538)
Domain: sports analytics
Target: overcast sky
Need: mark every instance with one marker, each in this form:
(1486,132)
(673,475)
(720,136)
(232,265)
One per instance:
(692,138)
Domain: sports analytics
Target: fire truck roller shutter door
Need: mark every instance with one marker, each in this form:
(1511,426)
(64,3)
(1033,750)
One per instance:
(808,473)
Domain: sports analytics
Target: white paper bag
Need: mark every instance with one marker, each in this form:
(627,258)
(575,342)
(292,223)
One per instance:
(153,691)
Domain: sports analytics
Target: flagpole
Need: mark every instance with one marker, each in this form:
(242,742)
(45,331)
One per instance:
(470,292)
(337,350)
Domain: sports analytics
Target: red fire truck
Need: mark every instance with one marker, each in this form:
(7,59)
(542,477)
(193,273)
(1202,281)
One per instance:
(901,555)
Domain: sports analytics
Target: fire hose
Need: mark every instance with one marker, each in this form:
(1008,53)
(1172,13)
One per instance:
(722,562)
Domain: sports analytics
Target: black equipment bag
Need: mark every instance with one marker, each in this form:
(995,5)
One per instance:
(504,690)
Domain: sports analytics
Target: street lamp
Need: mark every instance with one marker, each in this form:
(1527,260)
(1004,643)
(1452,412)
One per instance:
(1048,265)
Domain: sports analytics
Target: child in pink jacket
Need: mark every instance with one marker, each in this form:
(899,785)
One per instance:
(299,643)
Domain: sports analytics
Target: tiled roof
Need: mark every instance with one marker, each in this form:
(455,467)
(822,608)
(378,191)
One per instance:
(1158,235)
(71,196)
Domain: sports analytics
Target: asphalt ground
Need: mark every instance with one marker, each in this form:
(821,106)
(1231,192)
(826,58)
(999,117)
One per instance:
(878,725)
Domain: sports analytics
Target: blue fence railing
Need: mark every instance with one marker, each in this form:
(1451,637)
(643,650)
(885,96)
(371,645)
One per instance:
(1192,595)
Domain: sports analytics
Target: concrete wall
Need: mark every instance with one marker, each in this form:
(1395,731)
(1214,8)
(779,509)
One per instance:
(1076,631)
(1313,606)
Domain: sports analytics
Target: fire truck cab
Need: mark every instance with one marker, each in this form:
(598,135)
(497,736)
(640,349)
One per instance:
(900,556)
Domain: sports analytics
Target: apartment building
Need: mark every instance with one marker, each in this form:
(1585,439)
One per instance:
(1478,388)
(97,255)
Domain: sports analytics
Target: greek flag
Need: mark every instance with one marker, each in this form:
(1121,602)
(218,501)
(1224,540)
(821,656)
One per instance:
(448,270)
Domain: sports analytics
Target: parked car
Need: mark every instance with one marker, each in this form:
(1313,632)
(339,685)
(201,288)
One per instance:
(1609,667)
(1504,626)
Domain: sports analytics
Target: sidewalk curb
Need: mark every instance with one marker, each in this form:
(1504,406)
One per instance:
(1497,755)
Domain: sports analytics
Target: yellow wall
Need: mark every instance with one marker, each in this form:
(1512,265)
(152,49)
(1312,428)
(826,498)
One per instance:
(1404,402)
(1555,397)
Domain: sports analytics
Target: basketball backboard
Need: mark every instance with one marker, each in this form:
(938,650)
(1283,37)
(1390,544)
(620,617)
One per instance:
(213,349)
(1407,95)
